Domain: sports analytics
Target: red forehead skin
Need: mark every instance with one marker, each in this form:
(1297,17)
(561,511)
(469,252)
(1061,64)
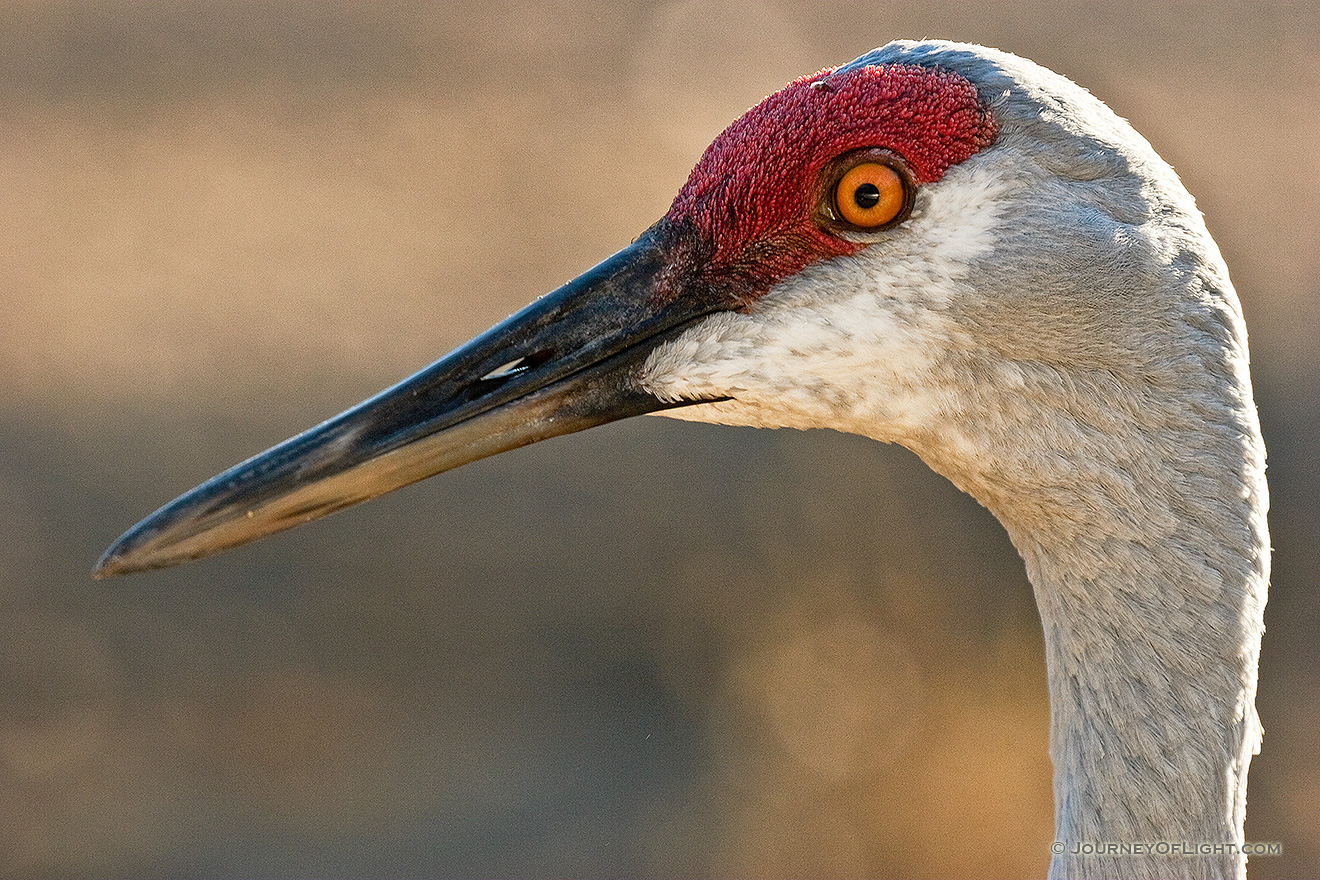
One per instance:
(751,196)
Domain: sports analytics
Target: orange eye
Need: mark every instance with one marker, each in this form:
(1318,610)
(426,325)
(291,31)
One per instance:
(870,195)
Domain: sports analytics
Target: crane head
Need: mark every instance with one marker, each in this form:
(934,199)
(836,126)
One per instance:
(856,251)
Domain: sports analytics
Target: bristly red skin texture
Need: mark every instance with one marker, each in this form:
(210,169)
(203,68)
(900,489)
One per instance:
(751,196)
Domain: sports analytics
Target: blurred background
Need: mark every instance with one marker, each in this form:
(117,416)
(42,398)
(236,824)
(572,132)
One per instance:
(654,649)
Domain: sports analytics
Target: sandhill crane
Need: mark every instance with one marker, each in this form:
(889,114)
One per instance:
(951,248)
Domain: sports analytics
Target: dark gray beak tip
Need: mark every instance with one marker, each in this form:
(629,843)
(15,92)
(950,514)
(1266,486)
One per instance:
(130,554)
(110,565)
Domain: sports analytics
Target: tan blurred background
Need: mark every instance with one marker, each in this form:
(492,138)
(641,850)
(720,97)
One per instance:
(655,649)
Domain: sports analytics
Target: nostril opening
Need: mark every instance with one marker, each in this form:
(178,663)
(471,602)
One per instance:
(536,358)
(503,373)
(517,367)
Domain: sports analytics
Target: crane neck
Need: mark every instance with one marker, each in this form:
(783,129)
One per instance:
(1152,678)
(1146,546)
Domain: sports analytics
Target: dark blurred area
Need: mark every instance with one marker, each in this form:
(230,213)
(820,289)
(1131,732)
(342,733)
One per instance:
(654,649)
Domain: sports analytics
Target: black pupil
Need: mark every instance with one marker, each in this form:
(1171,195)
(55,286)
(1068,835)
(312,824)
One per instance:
(866,196)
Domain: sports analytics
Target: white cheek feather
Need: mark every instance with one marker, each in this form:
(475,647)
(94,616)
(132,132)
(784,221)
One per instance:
(850,343)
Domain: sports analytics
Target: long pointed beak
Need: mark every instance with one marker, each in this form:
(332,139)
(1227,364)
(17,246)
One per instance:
(567,362)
